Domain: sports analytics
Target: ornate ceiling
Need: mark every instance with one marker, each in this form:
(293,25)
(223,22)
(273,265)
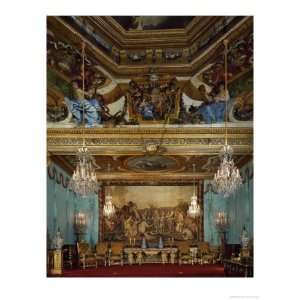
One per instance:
(144,168)
(164,59)
(153,22)
(127,53)
(124,150)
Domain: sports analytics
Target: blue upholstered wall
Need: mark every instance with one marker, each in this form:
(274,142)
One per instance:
(239,208)
(63,204)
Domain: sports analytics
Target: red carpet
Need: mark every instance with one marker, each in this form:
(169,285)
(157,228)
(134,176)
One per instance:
(148,270)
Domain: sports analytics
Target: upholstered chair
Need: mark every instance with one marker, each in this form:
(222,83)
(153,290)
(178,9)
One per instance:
(116,253)
(102,252)
(206,256)
(184,254)
(86,257)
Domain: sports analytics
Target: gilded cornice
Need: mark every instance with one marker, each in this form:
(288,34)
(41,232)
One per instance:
(147,130)
(131,141)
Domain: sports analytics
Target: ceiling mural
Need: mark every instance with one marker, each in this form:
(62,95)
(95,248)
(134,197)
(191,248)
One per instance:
(152,163)
(240,59)
(153,22)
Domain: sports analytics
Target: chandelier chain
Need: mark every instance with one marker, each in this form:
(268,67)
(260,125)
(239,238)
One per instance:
(225,86)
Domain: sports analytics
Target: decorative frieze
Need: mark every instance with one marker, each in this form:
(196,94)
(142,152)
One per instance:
(138,141)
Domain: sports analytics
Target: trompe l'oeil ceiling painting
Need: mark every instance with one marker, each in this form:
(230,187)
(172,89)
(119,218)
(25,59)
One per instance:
(149,71)
(152,22)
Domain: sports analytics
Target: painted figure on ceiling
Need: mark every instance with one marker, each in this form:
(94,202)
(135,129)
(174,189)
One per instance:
(147,109)
(206,110)
(93,108)
(212,110)
(219,103)
(137,23)
(79,105)
(103,111)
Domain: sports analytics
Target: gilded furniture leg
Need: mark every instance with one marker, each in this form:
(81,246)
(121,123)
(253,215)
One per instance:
(139,258)
(83,263)
(130,258)
(164,258)
(109,258)
(172,257)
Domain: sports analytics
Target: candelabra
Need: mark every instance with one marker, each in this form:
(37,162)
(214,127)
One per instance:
(222,225)
(80,226)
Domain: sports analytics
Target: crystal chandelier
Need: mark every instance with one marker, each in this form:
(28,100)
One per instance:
(108,208)
(227,179)
(84,179)
(194,208)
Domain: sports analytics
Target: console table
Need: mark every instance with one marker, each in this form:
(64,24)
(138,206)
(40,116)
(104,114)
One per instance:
(150,255)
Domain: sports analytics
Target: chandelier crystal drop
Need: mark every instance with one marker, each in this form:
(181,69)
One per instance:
(108,208)
(227,180)
(84,179)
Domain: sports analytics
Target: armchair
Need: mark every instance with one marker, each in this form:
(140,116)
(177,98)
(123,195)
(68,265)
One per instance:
(206,256)
(116,253)
(184,254)
(102,252)
(86,256)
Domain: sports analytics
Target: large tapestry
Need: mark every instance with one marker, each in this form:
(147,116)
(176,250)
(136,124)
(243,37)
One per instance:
(151,212)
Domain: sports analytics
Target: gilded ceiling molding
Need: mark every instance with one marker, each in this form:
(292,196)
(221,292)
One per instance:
(61,28)
(139,141)
(151,131)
